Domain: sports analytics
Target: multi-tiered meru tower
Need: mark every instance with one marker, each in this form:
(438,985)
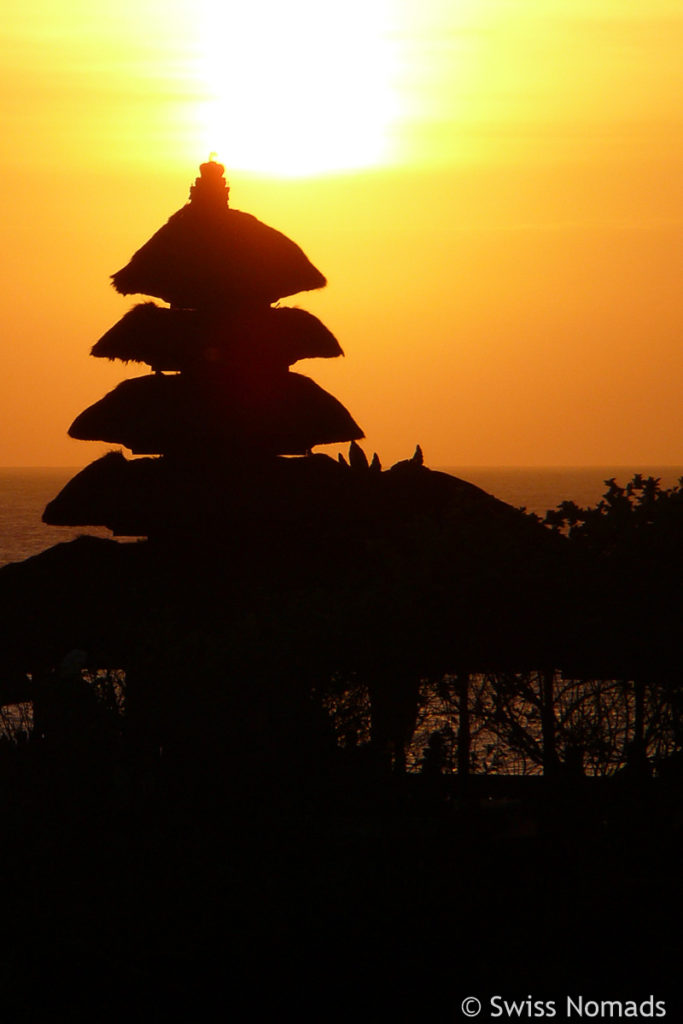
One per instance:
(222,400)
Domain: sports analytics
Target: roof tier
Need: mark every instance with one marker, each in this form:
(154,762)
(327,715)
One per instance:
(182,339)
(333,510)
(208,255)
(280,414)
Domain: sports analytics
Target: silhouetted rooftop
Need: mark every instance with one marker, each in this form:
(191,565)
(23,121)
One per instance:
(180,339)
(208,255)
(284,414)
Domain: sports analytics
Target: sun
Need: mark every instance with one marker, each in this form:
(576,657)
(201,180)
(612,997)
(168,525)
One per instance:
(297,88)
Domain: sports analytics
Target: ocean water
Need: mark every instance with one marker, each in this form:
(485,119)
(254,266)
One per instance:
(24,493)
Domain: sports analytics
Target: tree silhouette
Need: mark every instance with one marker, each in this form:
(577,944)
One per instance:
(633,537)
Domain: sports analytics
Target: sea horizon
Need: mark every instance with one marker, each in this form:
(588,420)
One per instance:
(25,491)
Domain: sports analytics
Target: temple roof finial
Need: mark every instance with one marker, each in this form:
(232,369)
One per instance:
(210,188)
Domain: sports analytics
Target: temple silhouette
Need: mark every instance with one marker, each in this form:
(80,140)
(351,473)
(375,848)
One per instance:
(221,395)
(212,806)
(301,575)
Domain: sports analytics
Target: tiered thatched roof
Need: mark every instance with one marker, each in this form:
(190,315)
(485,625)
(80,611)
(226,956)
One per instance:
(185,339)
(222,391)
(284,414)
(208,255)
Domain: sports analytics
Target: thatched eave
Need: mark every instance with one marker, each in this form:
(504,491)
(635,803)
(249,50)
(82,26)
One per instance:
(113,492)
(217,258)
(286,414)
(182,339)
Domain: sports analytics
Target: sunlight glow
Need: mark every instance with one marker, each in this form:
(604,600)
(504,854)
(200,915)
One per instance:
(298,88)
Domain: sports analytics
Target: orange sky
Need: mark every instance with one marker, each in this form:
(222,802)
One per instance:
(491,189)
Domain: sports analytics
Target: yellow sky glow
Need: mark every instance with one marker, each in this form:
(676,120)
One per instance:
(298,88)
(492,190)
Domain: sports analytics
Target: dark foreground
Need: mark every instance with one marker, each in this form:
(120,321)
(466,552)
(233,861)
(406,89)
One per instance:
(212,855)
(163,897)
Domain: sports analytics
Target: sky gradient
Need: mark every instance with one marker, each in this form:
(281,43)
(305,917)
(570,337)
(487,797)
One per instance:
(492,190)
